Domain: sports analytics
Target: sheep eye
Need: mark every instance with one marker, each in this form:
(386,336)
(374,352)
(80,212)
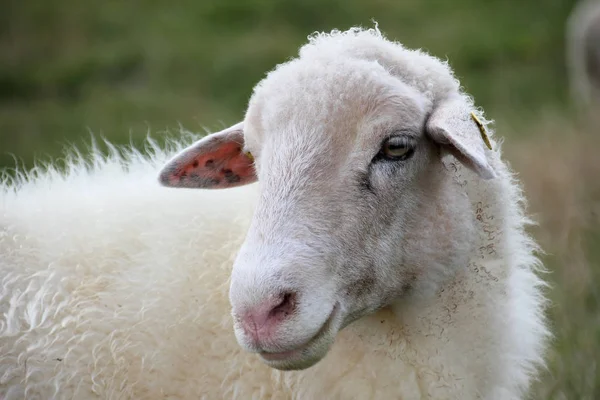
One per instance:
(396,149)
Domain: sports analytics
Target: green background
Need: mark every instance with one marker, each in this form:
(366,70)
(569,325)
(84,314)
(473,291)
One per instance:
(124,69)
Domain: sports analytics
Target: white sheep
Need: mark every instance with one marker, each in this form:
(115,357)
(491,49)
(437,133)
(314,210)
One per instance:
(382,254)
(583,52)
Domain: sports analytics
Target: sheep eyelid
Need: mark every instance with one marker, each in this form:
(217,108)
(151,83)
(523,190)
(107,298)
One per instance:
(405,140)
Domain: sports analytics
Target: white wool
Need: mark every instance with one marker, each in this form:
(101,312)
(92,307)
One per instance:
(114,287)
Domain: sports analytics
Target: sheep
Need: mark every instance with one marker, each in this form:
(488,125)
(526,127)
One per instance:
(583,52)
(359,237)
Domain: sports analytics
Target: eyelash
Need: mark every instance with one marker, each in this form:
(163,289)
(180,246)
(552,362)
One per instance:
(399,141)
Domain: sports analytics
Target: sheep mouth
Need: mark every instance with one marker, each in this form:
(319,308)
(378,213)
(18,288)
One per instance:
(309,353)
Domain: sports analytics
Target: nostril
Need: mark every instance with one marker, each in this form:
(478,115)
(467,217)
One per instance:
(266,316)
(285,307)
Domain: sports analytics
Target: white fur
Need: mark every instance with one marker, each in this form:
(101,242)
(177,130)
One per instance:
(112,286)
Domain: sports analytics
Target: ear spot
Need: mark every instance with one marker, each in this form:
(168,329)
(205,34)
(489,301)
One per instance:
(214,162)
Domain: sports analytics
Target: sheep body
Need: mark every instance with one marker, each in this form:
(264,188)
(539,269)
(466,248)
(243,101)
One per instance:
(114,287)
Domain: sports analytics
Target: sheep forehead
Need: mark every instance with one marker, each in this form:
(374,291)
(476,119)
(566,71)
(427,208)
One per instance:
(329,100)
(428,74)
(338,78)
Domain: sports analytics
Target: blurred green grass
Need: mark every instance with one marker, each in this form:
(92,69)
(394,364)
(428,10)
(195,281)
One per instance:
(559,166)
(123,69)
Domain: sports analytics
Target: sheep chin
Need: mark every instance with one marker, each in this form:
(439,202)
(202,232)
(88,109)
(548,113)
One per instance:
(310,353)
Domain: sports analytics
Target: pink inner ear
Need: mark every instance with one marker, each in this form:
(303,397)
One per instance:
(222,167)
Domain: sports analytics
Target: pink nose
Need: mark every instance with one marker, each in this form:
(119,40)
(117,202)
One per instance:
(261,321)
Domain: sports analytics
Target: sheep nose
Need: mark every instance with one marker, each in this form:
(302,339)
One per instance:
(261,321)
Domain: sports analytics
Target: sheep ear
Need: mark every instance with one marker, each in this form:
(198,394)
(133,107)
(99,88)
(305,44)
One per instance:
(215,162)
(453,123)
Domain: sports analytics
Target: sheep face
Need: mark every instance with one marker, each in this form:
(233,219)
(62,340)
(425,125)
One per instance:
(357,206)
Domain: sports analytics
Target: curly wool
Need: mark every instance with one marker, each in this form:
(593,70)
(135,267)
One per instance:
(115,287)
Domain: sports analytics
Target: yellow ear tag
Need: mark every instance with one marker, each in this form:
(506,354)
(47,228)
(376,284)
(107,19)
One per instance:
(484,135)
(250,156)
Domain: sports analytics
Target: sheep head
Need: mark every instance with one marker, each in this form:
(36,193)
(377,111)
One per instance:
(353,145)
